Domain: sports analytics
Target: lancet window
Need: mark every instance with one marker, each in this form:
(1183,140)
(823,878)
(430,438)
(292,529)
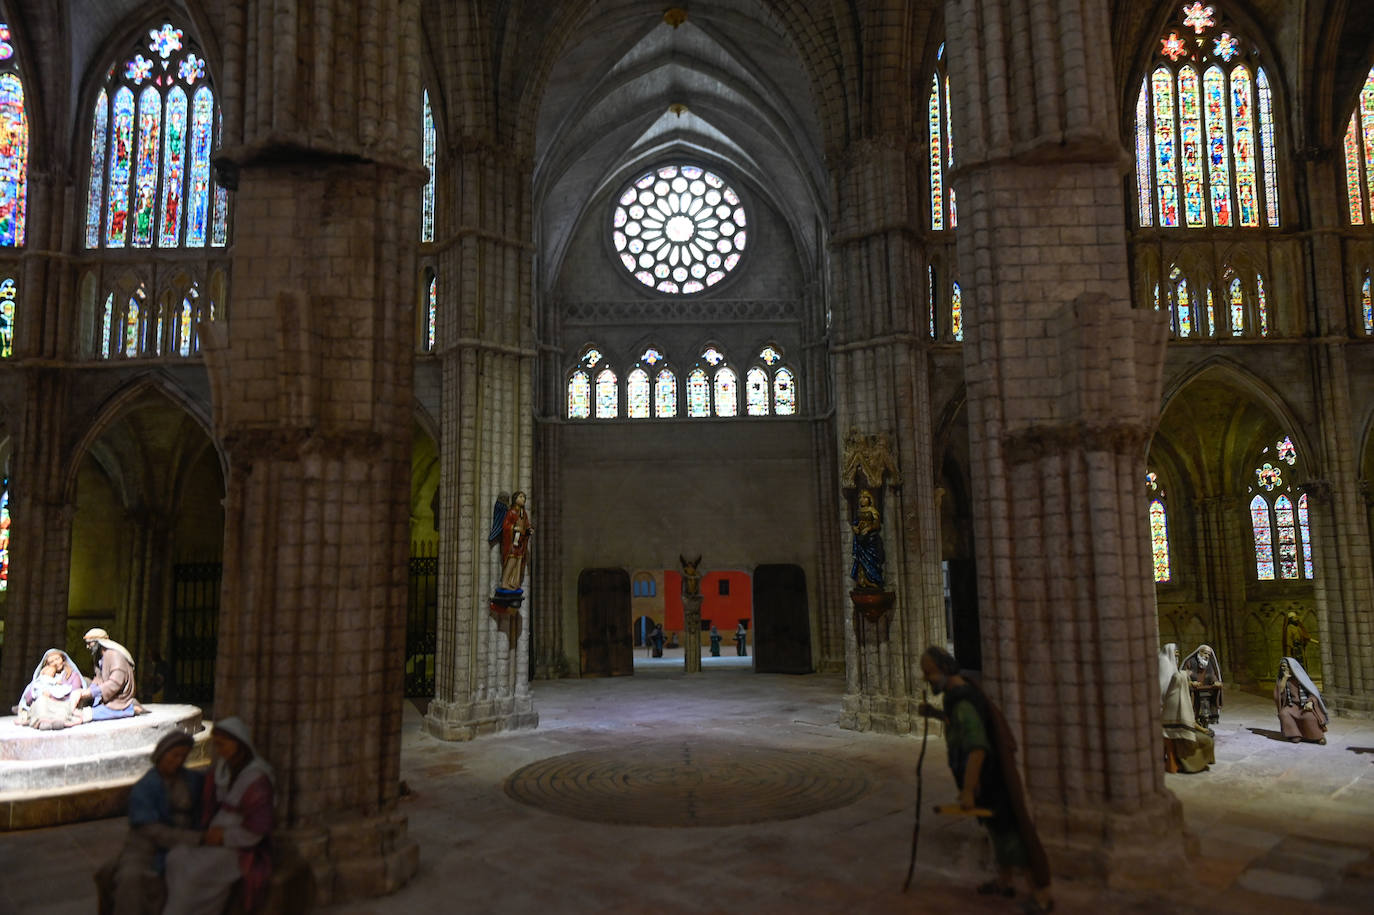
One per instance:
(9,303)
(429,328)
(770,386)
(944,212)
(14,145)
(1204,148)
(1367,304)
(1159,527)
(429,145)
(154,124)
(5,535)
(1359,157)
(1279,517)
(579,385)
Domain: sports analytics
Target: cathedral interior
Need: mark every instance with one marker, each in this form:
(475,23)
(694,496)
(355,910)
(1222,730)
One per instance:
(1041,330)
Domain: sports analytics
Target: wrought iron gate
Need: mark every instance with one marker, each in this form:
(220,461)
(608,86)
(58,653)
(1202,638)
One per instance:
(195,632)
(422,619)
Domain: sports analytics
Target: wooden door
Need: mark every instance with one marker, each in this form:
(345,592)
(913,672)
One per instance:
(782,621)
(603,623)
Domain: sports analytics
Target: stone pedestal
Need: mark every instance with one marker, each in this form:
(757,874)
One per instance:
(461,720)
(691,645)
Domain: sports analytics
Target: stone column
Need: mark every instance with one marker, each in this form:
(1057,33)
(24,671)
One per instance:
(485,343)
(312,391)
(1341,549)
(1064,382)
(691,641)
(1223,588)
(882,388)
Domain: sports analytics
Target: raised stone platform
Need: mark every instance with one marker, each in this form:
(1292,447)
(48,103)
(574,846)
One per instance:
(81,773)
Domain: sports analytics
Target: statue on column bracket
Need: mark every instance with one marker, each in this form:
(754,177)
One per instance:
(868,469)
(511,527)
(691,612)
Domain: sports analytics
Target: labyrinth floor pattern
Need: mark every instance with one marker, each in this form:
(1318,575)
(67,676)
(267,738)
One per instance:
(702,783)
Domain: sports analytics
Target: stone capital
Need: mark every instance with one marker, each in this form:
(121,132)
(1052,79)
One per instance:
(1031,443)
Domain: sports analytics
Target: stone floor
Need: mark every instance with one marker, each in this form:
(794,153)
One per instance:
(1278,827)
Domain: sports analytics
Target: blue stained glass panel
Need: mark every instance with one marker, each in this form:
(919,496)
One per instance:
(14,160)
(95,188)
(198,199)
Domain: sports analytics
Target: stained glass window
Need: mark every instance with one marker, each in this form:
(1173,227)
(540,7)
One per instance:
(1359,157)
(1211,328)
(1367,303)
(1183,309)
(14,146)
(607,395)
(1305,531)
(151,130)
(186,340)
(1237,308)
(698,393)
(432,312)
(579,395)
(8,295)
(679,229)
(784,393)
(637,394)
(1145,211)
(1159,539)
(770,356)
(427,198)
(712,355)
(1264,550)
(5,536)
(1287,451)
(727,394)
(949,157)
(1207,111)
(756,392)
(1287,536)
(132,329)
(1261,305)
(930,307)
(1269,476)
(935,112)
(665,394)
(106,327)
(956,312)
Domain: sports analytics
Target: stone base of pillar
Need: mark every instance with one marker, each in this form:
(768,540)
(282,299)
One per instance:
(355,859)
(1349,705)
(467,720)
(830,666)
(1119,850)
(880,714)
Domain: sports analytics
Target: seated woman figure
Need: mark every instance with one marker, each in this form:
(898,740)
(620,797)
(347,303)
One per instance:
(237,812)
(164,812)
(50,700)
(1302,713)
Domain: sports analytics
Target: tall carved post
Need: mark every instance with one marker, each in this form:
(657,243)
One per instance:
(312,385)
(1064,385)
(882,387)
(485,342)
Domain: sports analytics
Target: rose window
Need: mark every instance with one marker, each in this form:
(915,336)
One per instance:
(679,229)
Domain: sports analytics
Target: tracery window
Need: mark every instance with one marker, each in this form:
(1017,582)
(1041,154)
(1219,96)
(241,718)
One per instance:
(940,155)
(430,329)
(956,312)
(1281,527)
(580,384)
(153,127)
(1359,157)
(640,393)
(14,146)
(679,229)
(429,145)
(1205,149)
(1159,527)
(930,304)
(770,386)
(1197,310)
(607,394)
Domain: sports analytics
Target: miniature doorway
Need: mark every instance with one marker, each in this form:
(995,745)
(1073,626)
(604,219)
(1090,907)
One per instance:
(782,621)
(603,615)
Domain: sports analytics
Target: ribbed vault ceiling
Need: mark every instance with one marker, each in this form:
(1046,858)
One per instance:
(722,88)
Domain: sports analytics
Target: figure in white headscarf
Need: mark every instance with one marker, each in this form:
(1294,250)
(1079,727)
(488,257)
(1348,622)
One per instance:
(112,688)
(237,810)
(50,700)
(1302,713)
(1204,678)
(1187,747)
